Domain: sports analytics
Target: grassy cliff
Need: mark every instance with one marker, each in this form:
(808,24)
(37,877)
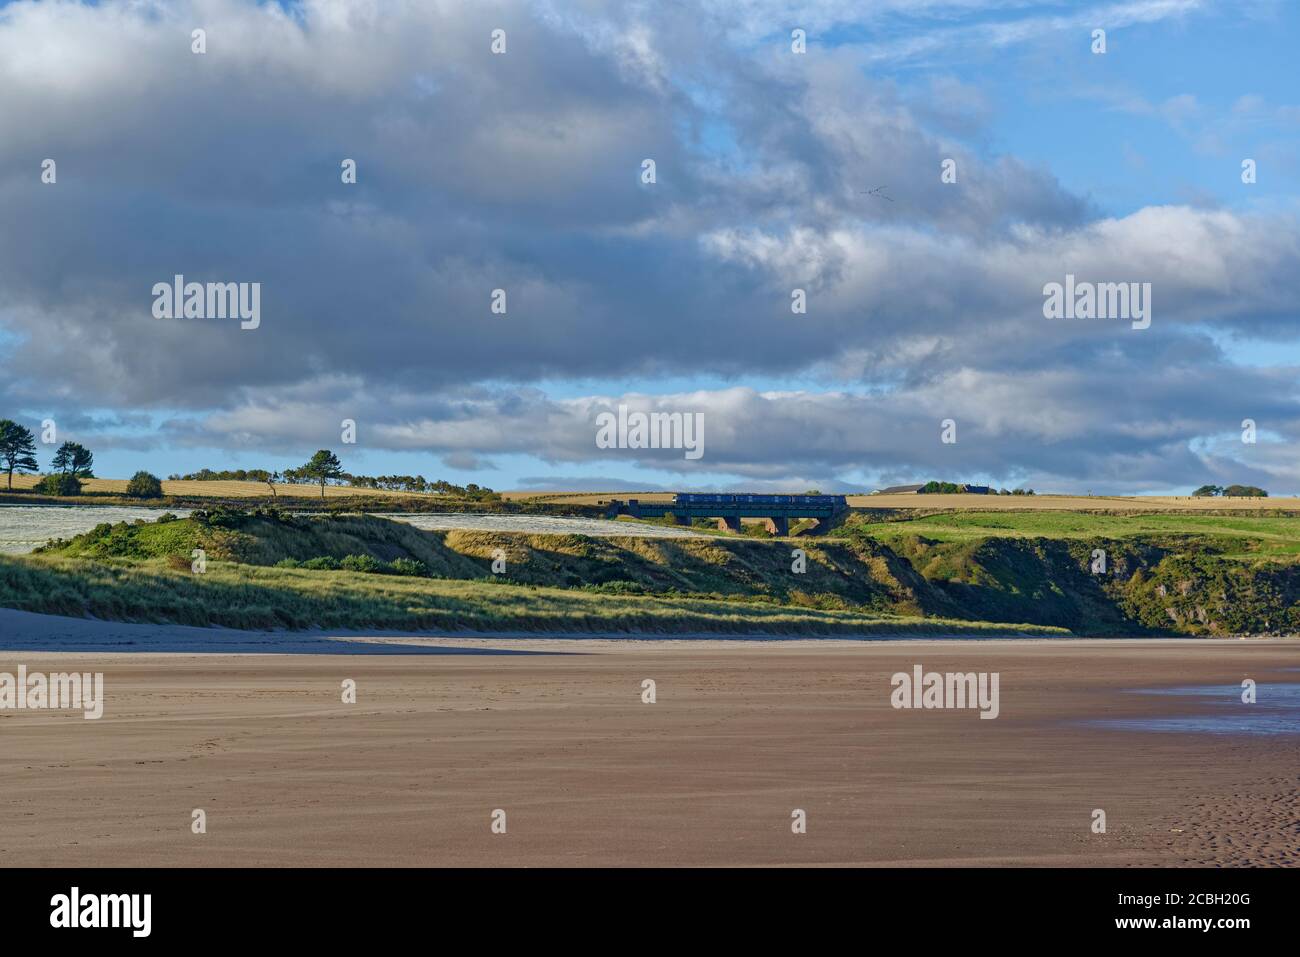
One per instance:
(266,569)
(839,574)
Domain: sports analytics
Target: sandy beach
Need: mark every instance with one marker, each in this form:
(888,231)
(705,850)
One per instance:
(555,733)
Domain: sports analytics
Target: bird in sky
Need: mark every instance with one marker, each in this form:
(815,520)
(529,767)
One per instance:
(875,192)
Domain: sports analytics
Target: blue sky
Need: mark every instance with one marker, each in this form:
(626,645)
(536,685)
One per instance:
(521,171)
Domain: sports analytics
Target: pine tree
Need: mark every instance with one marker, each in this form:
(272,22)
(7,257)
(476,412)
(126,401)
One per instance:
(17,449)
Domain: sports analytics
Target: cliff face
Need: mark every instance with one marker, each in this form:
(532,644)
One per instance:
(1202,595)
(1158,586)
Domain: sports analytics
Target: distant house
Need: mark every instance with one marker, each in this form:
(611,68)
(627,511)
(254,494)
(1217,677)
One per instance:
(898,490)
(976,489)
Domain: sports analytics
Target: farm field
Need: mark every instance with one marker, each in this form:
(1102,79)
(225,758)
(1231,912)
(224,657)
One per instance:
(1265,536)
(585,498)
(1098,503)
(181,489)
(997,503)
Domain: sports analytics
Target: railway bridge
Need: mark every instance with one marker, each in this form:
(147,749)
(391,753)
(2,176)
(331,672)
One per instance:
(776,510)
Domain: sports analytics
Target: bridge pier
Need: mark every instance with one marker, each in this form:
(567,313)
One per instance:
(729,511)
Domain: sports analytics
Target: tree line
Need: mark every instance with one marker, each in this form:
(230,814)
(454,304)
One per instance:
(1230,491)
(74,462)
(953,488)
(307,475)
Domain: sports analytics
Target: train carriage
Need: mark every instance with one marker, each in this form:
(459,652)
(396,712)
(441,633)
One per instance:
(740,500)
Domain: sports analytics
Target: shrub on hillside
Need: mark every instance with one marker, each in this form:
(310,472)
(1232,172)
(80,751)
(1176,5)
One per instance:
(59,484)
(225,516)
(617,587)
(144,485)
(360,563)
(407,566)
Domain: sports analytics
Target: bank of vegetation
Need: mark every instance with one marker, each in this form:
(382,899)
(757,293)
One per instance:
(268,570)
(976,573)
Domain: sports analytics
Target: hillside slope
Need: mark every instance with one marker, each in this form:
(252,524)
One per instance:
(1152,584)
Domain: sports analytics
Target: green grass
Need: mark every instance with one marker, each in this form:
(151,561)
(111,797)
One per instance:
(256,597)
(1231,537)
(840,574)
(955,572)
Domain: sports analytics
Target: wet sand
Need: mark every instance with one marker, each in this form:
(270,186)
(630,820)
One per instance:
(741,734)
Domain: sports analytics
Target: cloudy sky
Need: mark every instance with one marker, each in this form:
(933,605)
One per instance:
(523,171)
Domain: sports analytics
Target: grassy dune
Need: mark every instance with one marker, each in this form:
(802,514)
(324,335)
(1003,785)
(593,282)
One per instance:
(552,583)
(840,574)
(253,597)
(1190,575)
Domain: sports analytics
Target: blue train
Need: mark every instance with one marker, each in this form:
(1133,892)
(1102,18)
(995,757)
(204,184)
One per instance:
(808,501)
